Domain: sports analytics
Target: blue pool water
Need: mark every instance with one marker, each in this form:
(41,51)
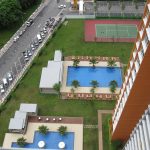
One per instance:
(51,139)
(86,74)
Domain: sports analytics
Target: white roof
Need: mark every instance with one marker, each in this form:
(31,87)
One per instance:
(57,55)
(16,124)
(51,75)
(28,107)
(19,114)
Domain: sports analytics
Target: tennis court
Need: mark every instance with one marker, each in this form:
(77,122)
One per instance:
(111,30)
(115,31)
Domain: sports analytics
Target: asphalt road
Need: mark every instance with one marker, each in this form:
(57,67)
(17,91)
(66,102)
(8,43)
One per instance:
(12,57)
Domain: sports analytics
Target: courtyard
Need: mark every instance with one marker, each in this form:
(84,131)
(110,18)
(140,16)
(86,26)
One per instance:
(69,38)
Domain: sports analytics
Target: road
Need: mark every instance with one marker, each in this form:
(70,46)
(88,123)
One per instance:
(11,57)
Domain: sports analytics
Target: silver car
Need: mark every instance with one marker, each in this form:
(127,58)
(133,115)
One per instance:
(2,90)
(9,76)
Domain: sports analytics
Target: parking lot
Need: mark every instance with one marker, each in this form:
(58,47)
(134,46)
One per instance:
(14,59)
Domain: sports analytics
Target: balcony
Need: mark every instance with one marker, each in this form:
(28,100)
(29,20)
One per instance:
(148,33)
(148,5)
(134,54)
(144,45)
(131,63)
(145,20)
(141,55)
(133,75)
(141,33)
(137,66)
(137,45)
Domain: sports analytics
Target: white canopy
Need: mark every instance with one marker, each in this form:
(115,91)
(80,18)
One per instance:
(28,108)
(58,55)
(51,75)
(16,124)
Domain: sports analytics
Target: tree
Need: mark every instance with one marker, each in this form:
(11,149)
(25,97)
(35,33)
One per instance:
(27,3)
(43,129)
(10,12)
(75,83)
(56,87)
(93,61)
(76,62)
(62,130)
(94,84)
(111,63)
(113,85)
(21,141)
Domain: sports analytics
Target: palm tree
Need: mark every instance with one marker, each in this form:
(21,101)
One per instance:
(76,62)
(113,85)
(75,83)
(56,87)
(62,130)
(43,129)
(93,61)
(21,141)
(94,84)
(111,63)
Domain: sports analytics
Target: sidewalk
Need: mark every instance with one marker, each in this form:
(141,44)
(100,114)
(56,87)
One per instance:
(100,133)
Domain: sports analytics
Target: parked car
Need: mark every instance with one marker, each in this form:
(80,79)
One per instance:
(33,47)
(42,34)
(20,33)
(2,89)
(29,22)
(61,6)
(16,38)
(9,76)
(5,82)
(39,38)
(29,52)
(47,23)
(36,42)
(26,57)
(45,30)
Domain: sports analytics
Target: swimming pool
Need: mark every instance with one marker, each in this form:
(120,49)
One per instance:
(101,74)
(51,139)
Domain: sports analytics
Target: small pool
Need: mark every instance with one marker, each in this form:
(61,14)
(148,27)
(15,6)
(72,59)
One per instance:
(51,139)
(86,74)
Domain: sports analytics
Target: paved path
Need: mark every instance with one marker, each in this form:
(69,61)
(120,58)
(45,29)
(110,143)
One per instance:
(100,113)
(90,126)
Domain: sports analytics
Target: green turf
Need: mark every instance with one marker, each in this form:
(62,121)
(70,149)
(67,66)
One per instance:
(70,39)
(115,31)
(107,144)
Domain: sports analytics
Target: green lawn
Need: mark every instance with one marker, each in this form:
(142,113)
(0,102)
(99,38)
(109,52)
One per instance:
(71,40)
(107,144)
(5,34)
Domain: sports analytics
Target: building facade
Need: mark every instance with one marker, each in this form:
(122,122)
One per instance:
(140,136)
(135,91)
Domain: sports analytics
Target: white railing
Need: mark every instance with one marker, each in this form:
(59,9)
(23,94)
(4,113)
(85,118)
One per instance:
(140,136)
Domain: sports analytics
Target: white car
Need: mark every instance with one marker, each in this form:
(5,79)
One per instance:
(2,90)
(16,38)
(5,82)
(61,6)
(9,76)
(64,6)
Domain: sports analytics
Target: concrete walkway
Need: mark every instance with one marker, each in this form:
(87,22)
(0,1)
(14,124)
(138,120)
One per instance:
(100,139)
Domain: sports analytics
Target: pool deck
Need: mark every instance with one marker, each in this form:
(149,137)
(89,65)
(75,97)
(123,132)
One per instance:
(67,89)
(74,124)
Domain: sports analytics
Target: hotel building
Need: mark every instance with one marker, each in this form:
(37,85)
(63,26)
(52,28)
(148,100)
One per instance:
(134,95)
